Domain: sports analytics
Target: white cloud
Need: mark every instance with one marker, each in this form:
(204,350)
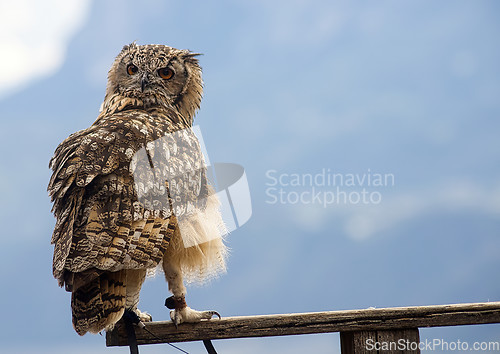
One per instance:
(34,36)
(454,196)
(361,222)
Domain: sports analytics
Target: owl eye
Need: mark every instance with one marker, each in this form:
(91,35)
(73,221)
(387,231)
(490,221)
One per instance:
(166,73)
(132,69)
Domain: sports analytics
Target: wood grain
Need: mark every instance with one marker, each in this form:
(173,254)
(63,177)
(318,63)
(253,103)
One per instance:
(314,322)
(382,341)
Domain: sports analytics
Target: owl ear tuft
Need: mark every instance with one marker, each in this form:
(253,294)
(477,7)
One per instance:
(130,46)
(191,57)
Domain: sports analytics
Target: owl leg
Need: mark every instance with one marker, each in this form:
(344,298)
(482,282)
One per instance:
(135,278)
(177,303)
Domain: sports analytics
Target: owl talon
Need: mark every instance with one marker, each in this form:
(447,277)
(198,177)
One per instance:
(212,314)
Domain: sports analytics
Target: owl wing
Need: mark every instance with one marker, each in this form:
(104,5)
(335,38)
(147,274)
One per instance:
(103,223)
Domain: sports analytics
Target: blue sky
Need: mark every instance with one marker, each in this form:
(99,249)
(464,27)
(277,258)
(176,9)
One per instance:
(404,88)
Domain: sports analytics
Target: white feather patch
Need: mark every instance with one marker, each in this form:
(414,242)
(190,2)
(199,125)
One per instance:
(198,246)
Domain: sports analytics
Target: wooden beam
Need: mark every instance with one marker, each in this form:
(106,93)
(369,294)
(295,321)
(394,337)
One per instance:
(365,342)
(314,322)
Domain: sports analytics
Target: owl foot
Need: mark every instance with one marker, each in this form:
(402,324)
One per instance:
(182,313)
(143,316)
(136,316)
(187,314)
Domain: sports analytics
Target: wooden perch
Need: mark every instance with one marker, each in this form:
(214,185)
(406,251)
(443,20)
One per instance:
(397,318)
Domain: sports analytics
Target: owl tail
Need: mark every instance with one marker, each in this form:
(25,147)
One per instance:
(100,303)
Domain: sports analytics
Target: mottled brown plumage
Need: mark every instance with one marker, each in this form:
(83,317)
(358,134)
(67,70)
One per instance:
(114,219)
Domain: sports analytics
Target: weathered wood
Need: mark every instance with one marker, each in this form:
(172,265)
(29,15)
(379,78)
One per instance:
(383,341)
(355,342)
(315,322)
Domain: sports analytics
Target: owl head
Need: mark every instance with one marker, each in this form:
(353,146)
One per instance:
(156,75)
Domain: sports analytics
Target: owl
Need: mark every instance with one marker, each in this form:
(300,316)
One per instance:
(130,193)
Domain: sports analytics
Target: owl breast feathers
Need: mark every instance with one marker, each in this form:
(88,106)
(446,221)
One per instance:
(131,191)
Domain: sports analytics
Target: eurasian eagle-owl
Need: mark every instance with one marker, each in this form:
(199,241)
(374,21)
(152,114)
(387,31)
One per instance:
(112,228)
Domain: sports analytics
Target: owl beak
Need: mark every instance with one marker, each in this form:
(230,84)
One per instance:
(144,82)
